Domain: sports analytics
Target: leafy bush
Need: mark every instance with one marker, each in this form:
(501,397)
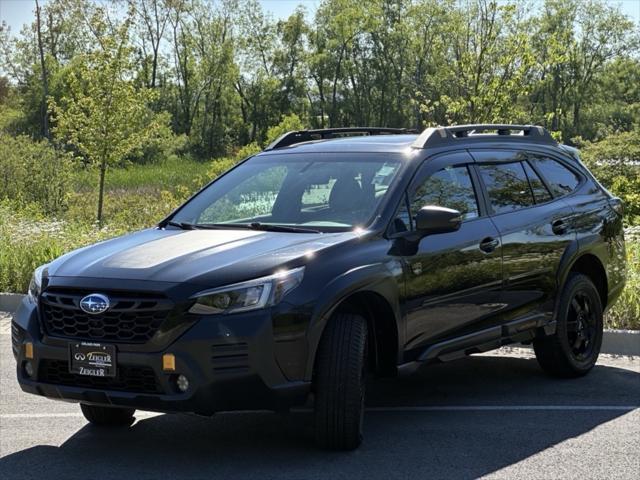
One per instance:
(288,123)
(615,161)
(625,313)
(221,165)
(34,172)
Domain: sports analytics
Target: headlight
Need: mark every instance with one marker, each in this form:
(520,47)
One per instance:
(36,284)
(251,295)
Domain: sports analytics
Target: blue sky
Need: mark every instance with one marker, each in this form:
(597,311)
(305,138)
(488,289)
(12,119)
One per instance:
(18,12)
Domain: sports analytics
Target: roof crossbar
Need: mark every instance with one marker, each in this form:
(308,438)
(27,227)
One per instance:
(440,136)
(300,136)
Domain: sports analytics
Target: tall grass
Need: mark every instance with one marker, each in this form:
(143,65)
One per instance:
(170,174)
(625,313)
(27,241)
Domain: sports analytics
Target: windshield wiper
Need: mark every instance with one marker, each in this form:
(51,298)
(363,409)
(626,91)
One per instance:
(205,226)
(182,225)
(269,227)
(266,227)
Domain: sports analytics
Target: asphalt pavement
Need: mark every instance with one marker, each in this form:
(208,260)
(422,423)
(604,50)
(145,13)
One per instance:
(488,416)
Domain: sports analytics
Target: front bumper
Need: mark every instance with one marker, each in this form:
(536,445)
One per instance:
(230,364)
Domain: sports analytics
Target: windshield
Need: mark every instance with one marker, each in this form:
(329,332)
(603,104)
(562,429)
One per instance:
(322,192)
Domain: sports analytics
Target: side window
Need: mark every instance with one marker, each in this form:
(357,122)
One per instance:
(560,179)
(450,187)
(507,185)
(540,192)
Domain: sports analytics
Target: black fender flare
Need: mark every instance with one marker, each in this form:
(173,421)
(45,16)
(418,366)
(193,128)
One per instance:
(375,278)
(573,253)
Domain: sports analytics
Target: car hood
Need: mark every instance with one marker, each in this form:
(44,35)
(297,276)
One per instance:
(207,257)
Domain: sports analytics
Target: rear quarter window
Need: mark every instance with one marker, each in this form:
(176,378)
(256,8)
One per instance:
(561,180)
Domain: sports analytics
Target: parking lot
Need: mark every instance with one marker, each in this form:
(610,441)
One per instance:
(493,416)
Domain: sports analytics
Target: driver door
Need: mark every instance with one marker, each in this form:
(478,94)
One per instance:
(454,280)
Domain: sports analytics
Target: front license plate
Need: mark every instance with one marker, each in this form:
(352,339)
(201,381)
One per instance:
(92,359)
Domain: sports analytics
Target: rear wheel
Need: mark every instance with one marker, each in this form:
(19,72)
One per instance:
(108,416)
(340,383)
(573,350)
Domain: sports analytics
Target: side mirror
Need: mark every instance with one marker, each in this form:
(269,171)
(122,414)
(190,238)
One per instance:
(432,219)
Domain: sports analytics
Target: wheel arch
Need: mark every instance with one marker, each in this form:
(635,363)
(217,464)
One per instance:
(590,265)
(371,293)
(382,328)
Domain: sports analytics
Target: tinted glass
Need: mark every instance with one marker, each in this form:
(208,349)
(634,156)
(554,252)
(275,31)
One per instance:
(507,185)
(251,198)
(540,192)
(561,180)
(291,190)
(402,222)
(450,187)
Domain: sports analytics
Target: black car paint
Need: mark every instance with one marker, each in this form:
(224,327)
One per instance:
(504,294)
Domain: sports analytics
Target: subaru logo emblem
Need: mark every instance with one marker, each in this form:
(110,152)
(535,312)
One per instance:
(95,303)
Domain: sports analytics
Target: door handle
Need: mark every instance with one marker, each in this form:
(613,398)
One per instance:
(559,227)
(489,244)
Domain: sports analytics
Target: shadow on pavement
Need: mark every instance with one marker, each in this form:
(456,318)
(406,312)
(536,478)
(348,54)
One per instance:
(398,444)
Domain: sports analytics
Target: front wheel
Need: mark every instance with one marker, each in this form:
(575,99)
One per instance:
(573,350)
(107,416)
(340,383)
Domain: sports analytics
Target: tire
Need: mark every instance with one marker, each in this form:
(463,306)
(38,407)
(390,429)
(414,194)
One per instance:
(339,383)
(108,416)
(573,350)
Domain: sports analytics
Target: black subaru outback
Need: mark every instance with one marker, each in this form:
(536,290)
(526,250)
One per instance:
(330,255)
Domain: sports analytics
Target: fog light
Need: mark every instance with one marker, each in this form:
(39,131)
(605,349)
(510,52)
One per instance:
(183,383)
(28,369)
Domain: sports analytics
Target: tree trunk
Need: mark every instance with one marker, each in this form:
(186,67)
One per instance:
(103,170)
(45,82)
(154,68)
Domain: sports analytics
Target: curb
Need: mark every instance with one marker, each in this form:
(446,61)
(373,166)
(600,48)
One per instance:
(621,342)
(614,342)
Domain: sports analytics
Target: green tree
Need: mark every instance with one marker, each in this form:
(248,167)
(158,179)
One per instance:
(104,117)
(489,58)
(575,41)
(615,161)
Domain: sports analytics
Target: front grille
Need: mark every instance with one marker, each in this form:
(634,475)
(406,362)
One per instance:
(129,378)
(130,319)
(228,358)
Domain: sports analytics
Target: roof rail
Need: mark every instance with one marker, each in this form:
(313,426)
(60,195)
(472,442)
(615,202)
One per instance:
(439,136)
(299,136)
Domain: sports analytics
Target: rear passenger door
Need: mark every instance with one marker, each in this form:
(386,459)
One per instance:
(535,230)
(453,280)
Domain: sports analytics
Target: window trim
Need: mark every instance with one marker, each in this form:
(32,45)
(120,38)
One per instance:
(490,208)
(582,179)
(544,184)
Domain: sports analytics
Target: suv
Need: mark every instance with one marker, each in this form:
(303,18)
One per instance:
(332,255)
